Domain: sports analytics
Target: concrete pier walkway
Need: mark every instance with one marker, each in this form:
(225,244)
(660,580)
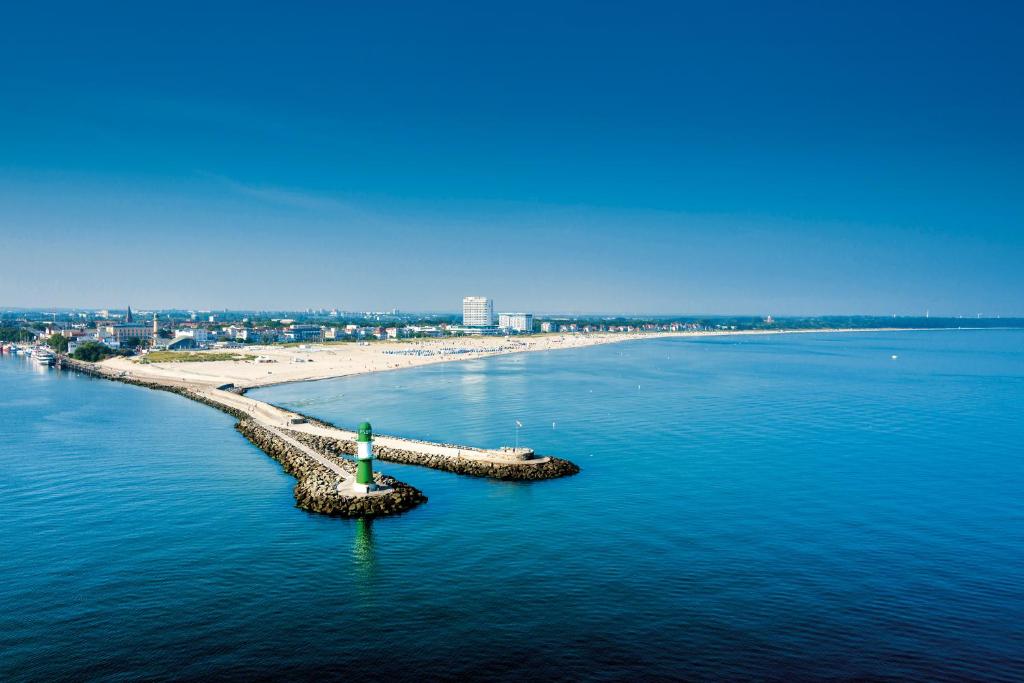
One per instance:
(332,465)
(273,417)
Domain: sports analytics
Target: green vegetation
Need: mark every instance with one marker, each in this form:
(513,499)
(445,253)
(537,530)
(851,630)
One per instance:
(187,357)
(93,352)
(58,342)
(15,334)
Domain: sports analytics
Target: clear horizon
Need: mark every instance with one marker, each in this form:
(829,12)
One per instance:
(792,160)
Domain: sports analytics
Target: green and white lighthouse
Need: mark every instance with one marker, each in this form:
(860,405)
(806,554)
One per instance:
(364,459)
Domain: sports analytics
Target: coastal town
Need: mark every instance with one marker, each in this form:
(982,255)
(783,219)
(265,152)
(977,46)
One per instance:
(128,332)
(248,349)
(161,335)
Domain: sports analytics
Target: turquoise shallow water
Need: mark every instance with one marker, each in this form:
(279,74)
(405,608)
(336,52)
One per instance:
(785,507)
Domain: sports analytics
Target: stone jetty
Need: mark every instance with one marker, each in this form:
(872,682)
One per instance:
(511,467)
(318,477)
(314,452)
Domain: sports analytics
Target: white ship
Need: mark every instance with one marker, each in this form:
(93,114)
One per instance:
(44,356)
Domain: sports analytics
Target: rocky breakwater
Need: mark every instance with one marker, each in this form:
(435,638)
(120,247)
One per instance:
(496,468)
(316,489)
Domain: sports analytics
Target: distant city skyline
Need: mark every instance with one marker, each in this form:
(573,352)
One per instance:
(655,158)
(114,312)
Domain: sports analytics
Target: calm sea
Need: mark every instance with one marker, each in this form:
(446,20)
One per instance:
(787,507)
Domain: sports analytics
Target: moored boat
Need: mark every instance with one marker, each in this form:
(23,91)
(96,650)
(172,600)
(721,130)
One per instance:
(44,356)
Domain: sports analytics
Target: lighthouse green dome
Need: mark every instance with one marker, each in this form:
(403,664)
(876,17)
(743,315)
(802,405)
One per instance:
(365,431)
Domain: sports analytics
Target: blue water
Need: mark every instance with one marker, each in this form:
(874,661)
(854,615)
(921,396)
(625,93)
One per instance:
(786,507)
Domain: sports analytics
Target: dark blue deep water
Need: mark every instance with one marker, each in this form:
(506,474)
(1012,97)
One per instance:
(787,507)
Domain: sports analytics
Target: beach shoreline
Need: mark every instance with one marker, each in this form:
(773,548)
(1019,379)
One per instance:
(314,362)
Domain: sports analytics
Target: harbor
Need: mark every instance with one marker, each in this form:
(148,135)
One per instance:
(41,355)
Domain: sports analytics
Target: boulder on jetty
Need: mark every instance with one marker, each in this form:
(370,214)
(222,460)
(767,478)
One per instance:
(512,470)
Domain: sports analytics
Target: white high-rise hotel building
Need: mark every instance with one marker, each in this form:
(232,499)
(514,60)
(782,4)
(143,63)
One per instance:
(477,311)
(516,322)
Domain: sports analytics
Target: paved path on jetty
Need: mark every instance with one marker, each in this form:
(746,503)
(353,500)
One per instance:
(271,416)
(332,465)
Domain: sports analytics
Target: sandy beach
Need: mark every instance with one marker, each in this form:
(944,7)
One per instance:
(280,364)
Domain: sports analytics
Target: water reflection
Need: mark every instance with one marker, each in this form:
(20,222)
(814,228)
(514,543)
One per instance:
(362,547)
(39,369)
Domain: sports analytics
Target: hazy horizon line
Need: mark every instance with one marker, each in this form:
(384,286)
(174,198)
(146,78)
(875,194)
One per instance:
(401,311)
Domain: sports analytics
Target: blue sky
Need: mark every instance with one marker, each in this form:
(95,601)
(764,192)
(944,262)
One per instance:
(785,158)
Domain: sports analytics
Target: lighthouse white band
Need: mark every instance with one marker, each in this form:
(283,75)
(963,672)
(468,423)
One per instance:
(364,450)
